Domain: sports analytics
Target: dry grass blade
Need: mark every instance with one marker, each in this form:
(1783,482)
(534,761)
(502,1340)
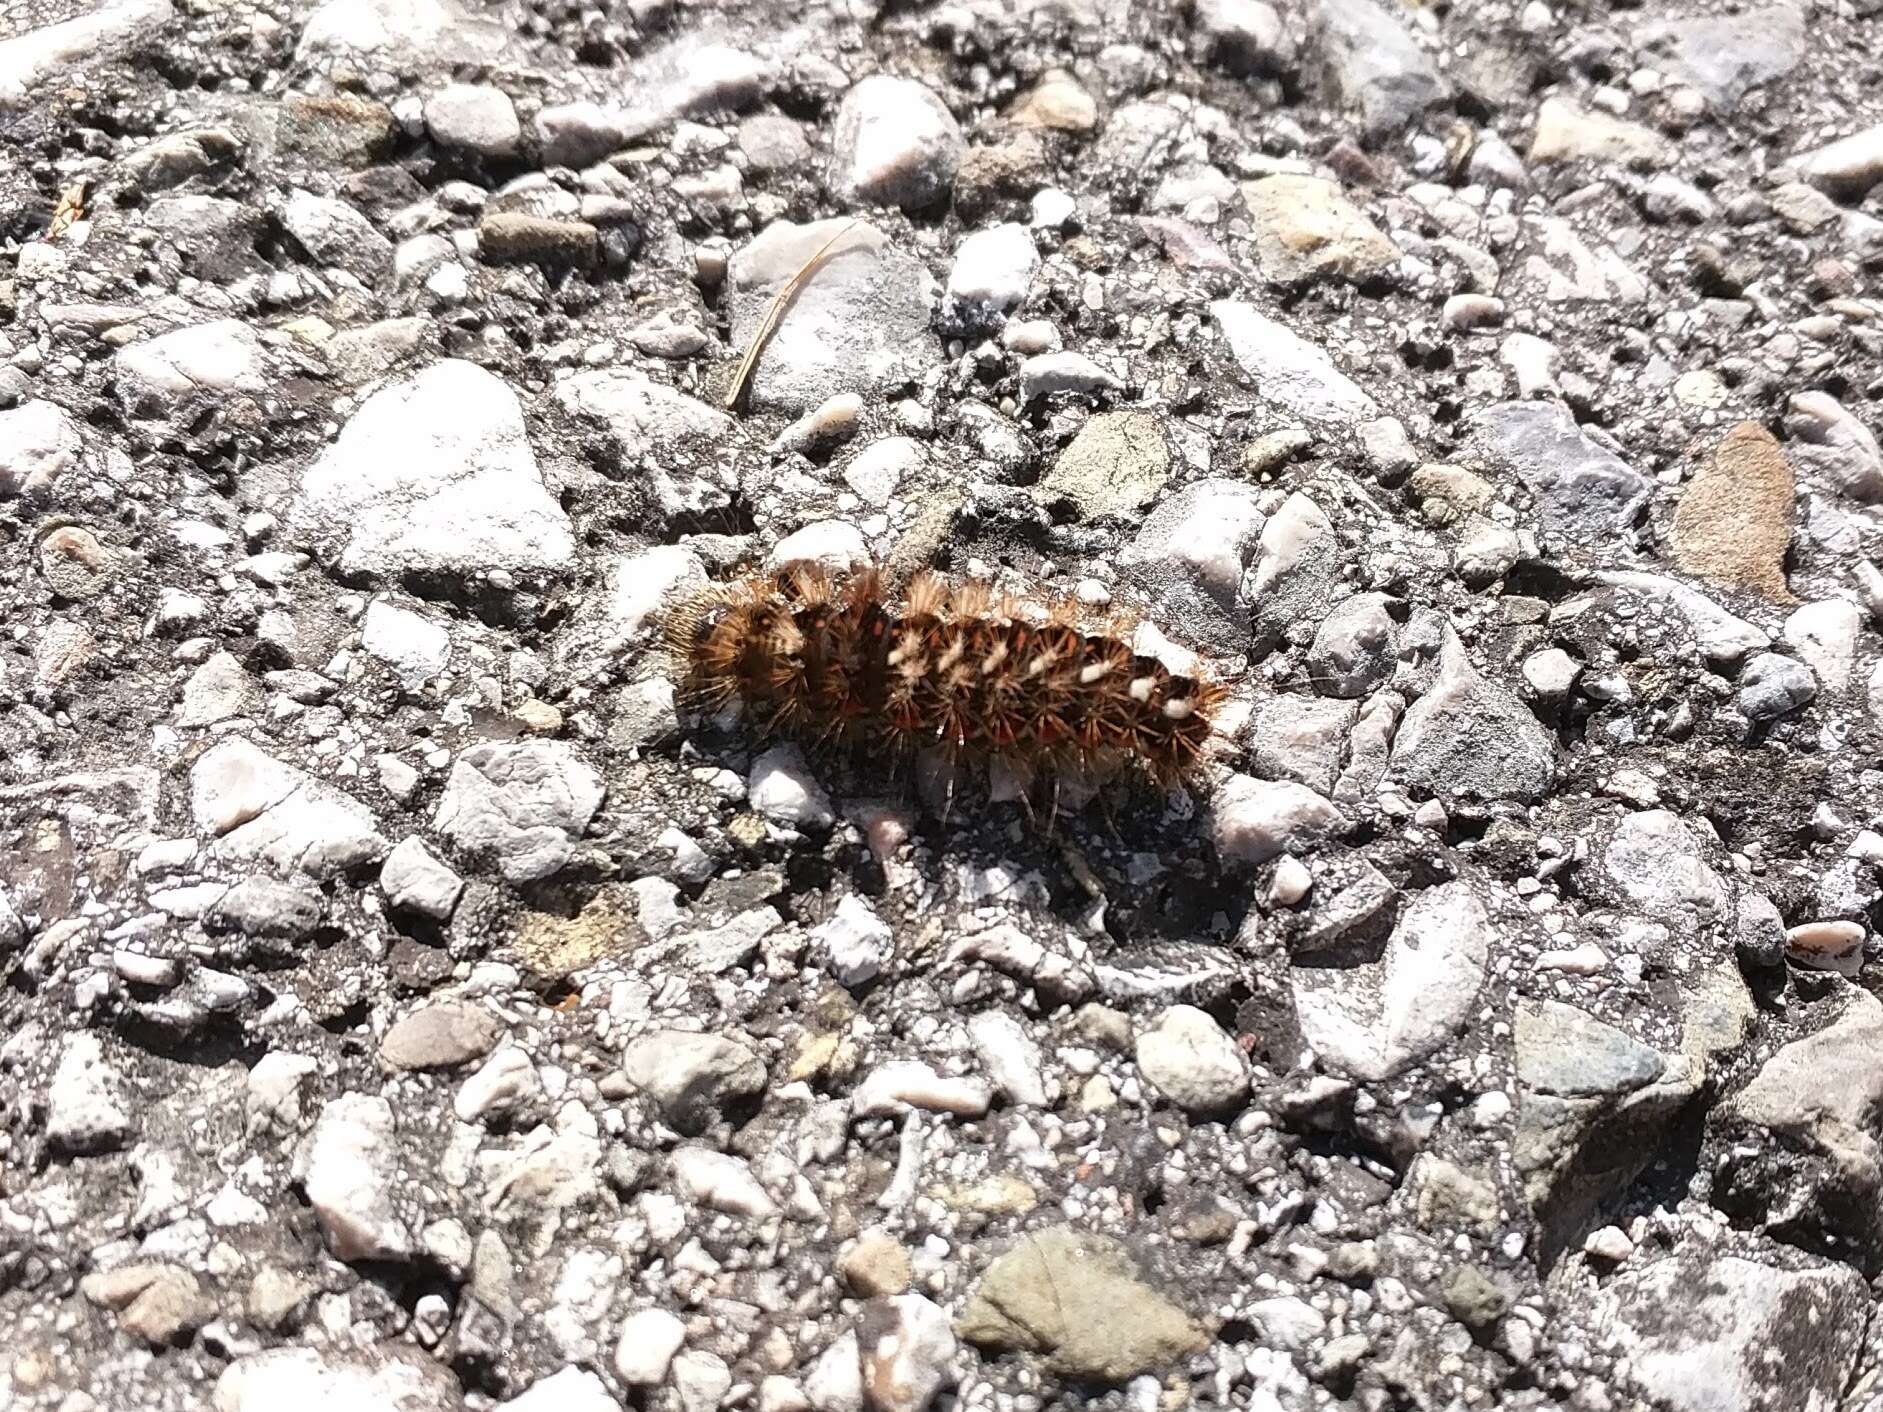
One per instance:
(773,312)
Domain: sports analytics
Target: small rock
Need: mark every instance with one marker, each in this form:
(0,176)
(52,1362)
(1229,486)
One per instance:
(1734,525)
(1306,227)
(1081,1301)
(1117,463)
(1773,685)
(443,1035)
(906,1351)
(894,144)
(87,1108)
(783,789)
(646,1347)
(1566,133)
(1187,1058)
(524,805)
(1286,369)
(876,1264)
(414,879)
(351,1166)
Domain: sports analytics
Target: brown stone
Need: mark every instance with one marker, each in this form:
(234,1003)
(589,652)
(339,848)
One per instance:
(1735,520)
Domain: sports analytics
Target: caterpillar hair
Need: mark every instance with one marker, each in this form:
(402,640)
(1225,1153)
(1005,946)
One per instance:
(1032,685)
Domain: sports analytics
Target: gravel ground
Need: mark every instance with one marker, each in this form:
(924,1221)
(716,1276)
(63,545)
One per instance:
(411,1004)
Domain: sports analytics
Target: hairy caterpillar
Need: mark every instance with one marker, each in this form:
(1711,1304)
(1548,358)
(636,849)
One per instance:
(1033,686)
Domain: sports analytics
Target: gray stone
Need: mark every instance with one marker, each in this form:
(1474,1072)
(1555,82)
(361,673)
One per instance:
(474,118)
(894,144)
(524,806)
(1296,574)
(1585,494)
(1287,370)
(434,475)
(1847,168)
(1774,685)
(646,1345)
(1191,556)
(1707,1331)
(672,443)
(1118,462)
(1302,738)
(216,691)
(1726,56)
(40,443)
(415,647)
(1470,738)
(446,1034)
(1801,1145)
(407,37)
(1366,60)
(1833,447)
(1189,1060)
(1592,1109)
(415,879)
(351,1168)
(87,1106)
(263,907)
(569,1389)
(1373,1021)
(990,276)
(1653,864)
(333,233)
(1568,1053)
(690,1075)
(783,789)
(1355,648)
(1252,821)
(1080,1300)
(203,361)
(860,322)
(259,808)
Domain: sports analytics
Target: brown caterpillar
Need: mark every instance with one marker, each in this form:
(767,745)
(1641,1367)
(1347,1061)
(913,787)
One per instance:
(838,656)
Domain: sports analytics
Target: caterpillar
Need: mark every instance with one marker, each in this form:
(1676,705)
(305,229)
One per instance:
(1036,686)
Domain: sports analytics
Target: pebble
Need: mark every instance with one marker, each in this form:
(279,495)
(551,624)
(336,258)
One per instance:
(902,1084)
(990,276)
(782,788)
(894,144)
(1305,228)
(474,118)
(860,324)
(39,443)
(435,475)
(416,880)
(1189,1060)
(87,1107)
(1117,463)
(1374,1020)
(906,1347)
(350,1169)
(646,1346)
(1733,526)
(444,1035)
(855,942)
(1287,370)
(1255,820)
(522,806)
